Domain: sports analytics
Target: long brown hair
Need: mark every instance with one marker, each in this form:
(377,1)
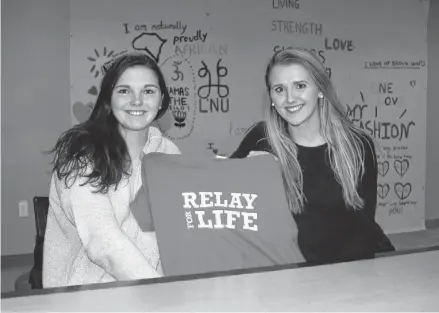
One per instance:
(97,144)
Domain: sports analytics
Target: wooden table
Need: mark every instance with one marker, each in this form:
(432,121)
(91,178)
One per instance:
(392,283)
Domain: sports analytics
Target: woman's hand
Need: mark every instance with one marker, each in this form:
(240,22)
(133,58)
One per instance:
(258,153)
(104,241)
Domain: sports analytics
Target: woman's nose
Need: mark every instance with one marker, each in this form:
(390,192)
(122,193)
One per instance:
(136,100)
(291,96)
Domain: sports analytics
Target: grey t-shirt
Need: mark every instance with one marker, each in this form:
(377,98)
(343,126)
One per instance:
(216,215)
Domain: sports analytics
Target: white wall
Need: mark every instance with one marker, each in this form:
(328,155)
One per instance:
(35,107)
(432,175)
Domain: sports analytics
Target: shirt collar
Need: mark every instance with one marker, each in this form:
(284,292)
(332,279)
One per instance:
(154,140)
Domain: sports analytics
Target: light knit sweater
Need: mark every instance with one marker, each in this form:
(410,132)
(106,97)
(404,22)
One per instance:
(65,260)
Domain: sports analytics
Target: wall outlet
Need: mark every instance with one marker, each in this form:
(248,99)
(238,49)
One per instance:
(23,209)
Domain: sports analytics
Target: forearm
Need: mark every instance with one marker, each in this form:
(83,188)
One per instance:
(249,142)
(101,235)
(365,236)
(118,256)
(360,246)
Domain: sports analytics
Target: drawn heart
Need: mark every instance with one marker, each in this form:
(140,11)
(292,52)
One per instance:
(383,168)
(93,91)
(383,190)
(82,112)
(401,167)
(403,190)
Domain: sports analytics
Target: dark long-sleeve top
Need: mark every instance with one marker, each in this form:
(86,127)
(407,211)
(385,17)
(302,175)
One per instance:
(328,230)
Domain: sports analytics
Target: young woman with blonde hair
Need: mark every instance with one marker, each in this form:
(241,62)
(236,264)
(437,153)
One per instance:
(328,164)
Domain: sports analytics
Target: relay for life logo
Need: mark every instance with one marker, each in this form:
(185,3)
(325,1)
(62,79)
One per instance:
(215,210)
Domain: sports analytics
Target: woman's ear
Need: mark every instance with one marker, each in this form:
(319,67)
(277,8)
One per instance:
(108,109)
(161,101)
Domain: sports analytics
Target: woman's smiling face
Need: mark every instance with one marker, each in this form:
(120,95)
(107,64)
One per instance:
(294,95)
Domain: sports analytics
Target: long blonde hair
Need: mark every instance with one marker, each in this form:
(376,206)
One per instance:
(345,145)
